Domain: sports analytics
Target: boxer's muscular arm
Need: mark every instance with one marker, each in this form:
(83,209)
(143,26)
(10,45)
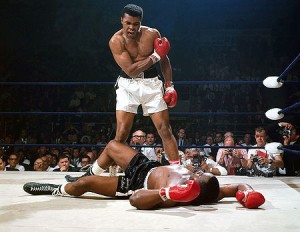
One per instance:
(149,199)
(229,190)
(165,65)
(166,68)
(244,194)
(124,60)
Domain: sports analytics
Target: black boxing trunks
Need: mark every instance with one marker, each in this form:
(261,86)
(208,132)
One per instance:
(135,174)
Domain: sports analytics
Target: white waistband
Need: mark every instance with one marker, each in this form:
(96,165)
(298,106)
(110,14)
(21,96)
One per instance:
(147,177)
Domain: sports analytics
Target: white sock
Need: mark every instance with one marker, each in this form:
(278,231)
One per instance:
(62,189)
(96,169)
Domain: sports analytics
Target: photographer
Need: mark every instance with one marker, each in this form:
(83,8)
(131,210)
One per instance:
(261,162)
(291,137)
(232,159)
(196,162)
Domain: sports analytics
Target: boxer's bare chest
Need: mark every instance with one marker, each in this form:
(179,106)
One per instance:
(169,176)
(139,49)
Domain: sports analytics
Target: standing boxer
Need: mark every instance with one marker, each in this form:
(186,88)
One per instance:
(136,49)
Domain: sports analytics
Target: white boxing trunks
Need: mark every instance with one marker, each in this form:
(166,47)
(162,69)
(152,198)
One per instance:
(132,92)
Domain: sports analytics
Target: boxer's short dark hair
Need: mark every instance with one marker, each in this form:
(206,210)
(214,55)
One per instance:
(133,10)
(209,192)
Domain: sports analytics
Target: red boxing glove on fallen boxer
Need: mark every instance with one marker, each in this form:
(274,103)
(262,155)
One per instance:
(250,198)
(161,49)
(181,193)
(170,95)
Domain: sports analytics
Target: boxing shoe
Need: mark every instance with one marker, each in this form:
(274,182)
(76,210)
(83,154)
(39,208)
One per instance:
(34,188)
(74,178)
(85,168)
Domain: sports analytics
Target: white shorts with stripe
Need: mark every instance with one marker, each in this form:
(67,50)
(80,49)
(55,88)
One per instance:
(147,92)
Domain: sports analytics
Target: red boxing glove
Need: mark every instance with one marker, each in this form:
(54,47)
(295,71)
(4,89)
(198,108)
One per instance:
(250,199)
(181,193)
(170,95)
(161,49)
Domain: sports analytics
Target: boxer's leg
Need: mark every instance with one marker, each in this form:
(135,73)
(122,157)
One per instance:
(162,124)
(97,184)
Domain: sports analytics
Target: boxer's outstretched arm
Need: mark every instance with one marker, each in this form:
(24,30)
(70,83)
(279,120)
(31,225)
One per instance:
(244,193)
(229,190)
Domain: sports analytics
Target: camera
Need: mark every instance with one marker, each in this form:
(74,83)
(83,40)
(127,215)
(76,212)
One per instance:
(197,160)
(285,131)
(230,150)
(240,171)
(255,158)
(267,173)
(259,169)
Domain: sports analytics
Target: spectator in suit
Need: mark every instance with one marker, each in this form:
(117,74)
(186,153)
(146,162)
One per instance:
(64,165)
(182,142)
(208,150)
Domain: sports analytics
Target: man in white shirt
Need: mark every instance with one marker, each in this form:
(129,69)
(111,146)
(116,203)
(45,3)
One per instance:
(265,162)
(138,138)
(149,152)
(13,162)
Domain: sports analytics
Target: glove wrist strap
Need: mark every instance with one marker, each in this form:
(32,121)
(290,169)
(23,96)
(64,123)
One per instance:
(154,57)
(169,84)
(163,194)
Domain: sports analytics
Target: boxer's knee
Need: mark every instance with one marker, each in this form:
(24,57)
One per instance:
(112,146)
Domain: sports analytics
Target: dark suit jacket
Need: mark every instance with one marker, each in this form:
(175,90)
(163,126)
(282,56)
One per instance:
(71,169)
(291,160)
(185,143)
